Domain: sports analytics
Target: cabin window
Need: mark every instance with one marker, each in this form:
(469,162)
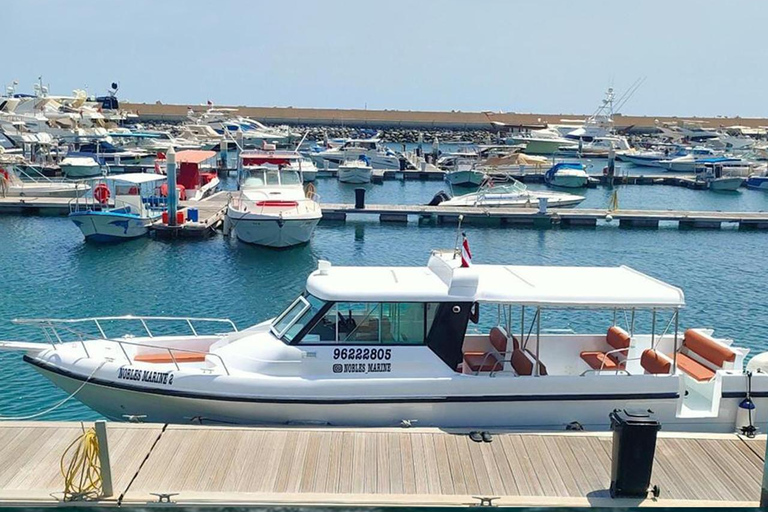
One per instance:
(290,178)
(254,179)
(293,320)
(403,323)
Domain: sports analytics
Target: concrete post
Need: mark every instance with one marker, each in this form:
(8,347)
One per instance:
(106,470)
(173,194)
(223,152)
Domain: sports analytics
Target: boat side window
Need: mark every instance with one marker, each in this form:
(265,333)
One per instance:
(126,190)
(364,323)
(293,320)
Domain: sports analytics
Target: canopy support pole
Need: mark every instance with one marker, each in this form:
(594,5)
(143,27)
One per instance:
(653,329)
(522,324)
(674,355)
(538,340)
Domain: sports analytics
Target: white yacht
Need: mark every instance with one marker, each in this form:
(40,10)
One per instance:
(272,209)
(511,194)
(379,156)
(254,133)
(386,346)
(26,181)
(284,159)
(567,175)
(546,141)
(357,171)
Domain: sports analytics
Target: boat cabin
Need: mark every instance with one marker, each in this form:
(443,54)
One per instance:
(494,320)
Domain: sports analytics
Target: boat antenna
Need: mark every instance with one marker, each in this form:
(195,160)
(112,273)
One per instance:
(458,235)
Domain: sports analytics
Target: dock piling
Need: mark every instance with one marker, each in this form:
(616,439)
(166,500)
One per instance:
(100,427)
(173,195)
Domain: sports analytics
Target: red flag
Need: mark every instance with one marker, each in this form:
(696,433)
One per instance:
(466,256)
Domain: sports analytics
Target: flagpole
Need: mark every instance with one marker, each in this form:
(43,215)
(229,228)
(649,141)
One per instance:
(458,233)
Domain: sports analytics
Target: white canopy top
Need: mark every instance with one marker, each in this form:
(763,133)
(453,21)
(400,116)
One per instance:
(442,281)
(137,177)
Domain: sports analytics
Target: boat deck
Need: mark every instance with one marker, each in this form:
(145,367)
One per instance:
(396,466)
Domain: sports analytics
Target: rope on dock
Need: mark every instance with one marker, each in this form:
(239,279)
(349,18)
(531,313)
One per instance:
(82,476)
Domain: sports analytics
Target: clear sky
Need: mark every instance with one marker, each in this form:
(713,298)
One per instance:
(699,57)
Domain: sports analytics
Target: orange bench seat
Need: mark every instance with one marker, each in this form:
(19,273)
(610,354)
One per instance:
(165,358)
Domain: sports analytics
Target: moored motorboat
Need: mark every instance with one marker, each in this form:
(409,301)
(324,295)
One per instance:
(78,167)
(357,171)
(465,176)
(272,208)
(510,194)
(567,175)
(401,348)
(119,208)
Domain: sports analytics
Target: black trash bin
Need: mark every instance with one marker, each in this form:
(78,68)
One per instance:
(359,198)
(634,445)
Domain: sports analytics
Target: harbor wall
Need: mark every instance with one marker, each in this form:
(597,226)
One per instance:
(358,118)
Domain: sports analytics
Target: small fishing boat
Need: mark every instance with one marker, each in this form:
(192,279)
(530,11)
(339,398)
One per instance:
(356,171)
(510,194)
(719,179)
(759,180)
(272,208)
(18,181)
(119,208)
(79,167)
(380,346)
(464,176)
(197,176)
(567,175)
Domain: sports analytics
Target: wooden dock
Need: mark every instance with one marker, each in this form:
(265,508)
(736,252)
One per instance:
(374,467)
(566,217)
(211,213)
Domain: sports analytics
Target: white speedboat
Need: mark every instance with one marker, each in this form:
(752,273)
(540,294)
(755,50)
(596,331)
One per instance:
(378,155)
(272,209)
(465,176)
(357,171)
(120,208)
(283,159)
(377,346)
(547,141)
(15,181)
(758,180)
(512,194)
(695,158)
(78,167)
(567,175)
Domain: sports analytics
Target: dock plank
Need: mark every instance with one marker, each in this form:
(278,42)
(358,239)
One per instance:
(397,466)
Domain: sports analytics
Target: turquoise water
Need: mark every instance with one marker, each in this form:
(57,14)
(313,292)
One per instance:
(48,271)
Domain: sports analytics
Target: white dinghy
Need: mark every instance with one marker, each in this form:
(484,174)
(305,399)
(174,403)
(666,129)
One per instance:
(399,348)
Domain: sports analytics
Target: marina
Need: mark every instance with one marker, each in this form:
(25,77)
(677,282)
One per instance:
(403,256)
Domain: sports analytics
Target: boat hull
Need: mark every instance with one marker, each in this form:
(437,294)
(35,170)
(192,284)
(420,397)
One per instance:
(117,399)
(110,227)
(272,231)
(467,178)
(356,175)
(726,184)
(80,171)
(757,183)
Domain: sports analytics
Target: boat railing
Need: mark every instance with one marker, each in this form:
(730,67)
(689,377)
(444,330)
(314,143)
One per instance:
(54,328)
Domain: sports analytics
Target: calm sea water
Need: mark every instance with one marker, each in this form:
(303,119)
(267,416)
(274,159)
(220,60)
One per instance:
(48,271)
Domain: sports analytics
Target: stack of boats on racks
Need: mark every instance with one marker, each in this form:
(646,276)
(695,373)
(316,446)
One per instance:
(444,345)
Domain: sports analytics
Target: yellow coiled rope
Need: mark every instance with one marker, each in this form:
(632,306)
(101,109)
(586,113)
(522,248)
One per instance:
(82,474)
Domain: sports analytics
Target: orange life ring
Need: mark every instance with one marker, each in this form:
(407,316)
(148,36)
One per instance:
(101,193)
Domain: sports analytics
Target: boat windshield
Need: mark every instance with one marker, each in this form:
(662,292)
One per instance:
(291,321)
(259,177)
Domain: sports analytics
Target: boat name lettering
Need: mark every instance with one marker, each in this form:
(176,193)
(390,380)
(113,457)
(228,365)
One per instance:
(362,368)
(145,376)
(373,354)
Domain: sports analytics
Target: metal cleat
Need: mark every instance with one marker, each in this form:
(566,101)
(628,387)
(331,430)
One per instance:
(486,501)
(164,497)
